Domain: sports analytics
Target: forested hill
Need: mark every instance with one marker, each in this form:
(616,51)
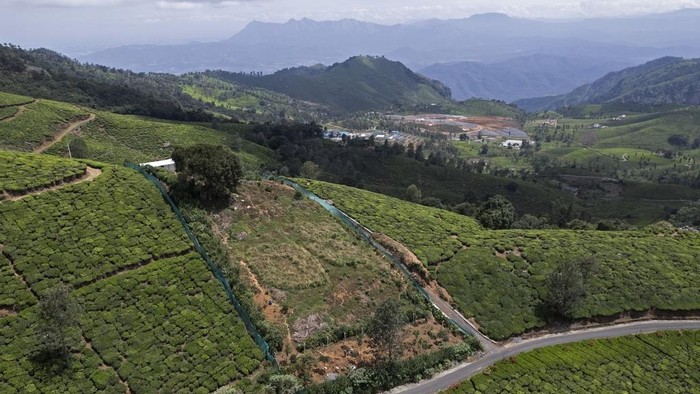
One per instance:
(357,84)
(43,73)
(668,80)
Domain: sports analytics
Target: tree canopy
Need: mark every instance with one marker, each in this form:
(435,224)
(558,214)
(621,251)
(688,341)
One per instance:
(207,172)
(496,213)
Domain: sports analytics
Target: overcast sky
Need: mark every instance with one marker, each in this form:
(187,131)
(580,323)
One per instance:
(79,26)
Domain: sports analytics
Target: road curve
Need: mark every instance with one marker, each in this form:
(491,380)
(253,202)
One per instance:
(467,370)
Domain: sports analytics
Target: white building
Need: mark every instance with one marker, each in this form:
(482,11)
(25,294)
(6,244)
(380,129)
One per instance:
(512,144)
(167,164)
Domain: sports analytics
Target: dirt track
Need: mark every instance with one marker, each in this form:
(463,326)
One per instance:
(61,134)
(90,174)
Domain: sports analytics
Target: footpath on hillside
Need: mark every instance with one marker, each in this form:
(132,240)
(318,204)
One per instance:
(90,174)
(61,134)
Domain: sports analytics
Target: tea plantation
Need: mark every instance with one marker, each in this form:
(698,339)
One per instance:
(151,308)
(117,138)
(24,172)
(499,277)
(41,120)
(9,99)
(430,233)
(664,362)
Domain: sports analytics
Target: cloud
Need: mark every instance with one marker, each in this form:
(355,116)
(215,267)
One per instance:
(167,4)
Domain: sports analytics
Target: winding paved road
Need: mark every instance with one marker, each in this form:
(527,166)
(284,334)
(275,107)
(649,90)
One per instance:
(467,370)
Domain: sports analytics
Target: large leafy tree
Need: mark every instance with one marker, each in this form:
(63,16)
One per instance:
(56,331)
(566,285)
(208,172)
(385,331)
(496,213)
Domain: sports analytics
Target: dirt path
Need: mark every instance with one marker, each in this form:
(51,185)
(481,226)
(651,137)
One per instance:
(61,134)
(271,309)
(90,174)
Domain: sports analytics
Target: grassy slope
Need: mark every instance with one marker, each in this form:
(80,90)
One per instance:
(638,270)
(149,324)
(295,246)
(662,362)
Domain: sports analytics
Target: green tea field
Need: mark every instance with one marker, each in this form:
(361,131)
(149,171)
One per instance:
(664,362)
(153,316)
(37,123)
(499,277)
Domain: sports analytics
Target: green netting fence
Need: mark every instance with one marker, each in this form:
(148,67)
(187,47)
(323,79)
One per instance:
(365,234)
(213,267)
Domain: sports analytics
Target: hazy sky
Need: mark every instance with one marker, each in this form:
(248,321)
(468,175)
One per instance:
(78,26)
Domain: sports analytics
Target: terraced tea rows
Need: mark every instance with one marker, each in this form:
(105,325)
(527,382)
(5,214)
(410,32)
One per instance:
(115,138)
(499,277)
(23,173)
(152,309)
(13,100)
(41,120)
(664,362)
(429,233)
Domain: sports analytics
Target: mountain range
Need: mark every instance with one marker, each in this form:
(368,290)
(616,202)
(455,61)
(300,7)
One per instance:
(268,47)
(490,56)
(667,80)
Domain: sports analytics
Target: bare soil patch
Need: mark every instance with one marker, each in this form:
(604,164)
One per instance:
(421,337)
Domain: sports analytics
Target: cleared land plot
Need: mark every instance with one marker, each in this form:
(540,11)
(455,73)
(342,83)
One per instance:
(306,260)
(499,277)
(662,362)
(41,120)
(154,316)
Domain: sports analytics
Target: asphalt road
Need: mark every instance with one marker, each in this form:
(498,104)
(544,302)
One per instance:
(467,370)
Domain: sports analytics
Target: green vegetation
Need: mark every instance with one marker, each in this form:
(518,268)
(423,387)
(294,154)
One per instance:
(168,327)
(87,231)
(154,316)
(209,173)
(7,112)
(24,172)
(360,83)
(500,277)
(668,80)
(660,362)
(306,260)
(14,295)
(117,138)
(9,99)
(37,124)
(242,102)
(430,233)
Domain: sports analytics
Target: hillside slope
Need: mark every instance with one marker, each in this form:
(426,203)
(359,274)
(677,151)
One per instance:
(522,77)
(153,315)
(360,83)
(667,80)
